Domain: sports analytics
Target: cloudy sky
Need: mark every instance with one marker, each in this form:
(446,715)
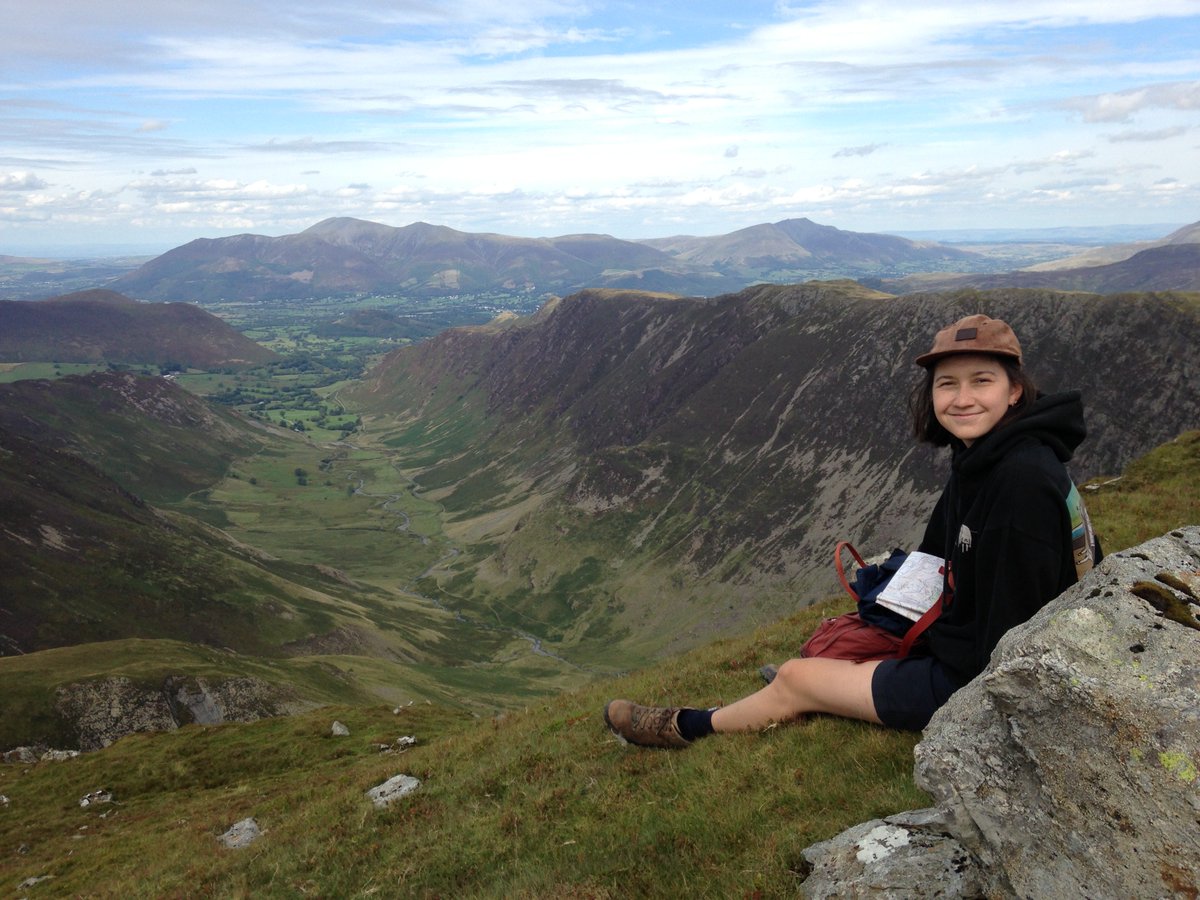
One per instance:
(152,122)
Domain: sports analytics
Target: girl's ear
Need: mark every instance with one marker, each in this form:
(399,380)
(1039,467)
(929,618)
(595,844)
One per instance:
(1015,392)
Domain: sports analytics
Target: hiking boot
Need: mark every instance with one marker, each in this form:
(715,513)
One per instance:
(646,726)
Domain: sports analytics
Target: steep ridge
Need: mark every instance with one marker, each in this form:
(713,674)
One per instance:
(142,432)
(104,326)
(85,560)
(633,461)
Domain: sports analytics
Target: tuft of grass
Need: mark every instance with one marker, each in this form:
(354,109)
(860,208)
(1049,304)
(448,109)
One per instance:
(540,802)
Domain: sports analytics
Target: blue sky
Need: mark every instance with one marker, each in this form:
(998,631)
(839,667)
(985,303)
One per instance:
(129,122)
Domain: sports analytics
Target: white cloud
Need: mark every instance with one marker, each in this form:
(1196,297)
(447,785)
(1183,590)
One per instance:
(1121,106)
(1161,134)
(558,116)
(864,150)
(21,181)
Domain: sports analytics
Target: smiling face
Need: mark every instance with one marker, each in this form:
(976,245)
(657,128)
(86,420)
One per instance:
(971,394)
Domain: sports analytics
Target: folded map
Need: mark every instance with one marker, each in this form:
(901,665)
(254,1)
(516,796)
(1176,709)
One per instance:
(916,585)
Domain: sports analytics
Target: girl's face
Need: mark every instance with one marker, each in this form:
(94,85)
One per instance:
(971,393)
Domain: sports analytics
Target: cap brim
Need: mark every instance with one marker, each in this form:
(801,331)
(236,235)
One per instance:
(926,358)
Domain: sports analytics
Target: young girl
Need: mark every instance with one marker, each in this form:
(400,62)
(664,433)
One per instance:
(1010,522)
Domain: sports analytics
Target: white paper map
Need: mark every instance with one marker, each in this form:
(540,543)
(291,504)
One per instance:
(915,587)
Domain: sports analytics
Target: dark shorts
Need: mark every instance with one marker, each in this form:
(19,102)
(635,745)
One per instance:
(908,691)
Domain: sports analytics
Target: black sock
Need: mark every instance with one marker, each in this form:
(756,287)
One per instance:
(695,723)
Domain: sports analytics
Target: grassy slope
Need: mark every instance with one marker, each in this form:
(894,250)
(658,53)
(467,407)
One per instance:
(543,802)
(1157,492)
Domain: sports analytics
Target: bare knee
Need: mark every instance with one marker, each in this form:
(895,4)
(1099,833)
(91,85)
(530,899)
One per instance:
(793,676)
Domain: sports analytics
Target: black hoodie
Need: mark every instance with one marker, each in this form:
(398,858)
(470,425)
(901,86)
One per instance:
(1005,521)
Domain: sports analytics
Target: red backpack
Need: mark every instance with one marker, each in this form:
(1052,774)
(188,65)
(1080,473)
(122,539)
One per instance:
(849,636)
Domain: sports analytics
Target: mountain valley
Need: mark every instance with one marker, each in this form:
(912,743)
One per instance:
(500,510)
(525,505)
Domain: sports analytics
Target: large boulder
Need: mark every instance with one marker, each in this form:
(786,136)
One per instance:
(1071,766)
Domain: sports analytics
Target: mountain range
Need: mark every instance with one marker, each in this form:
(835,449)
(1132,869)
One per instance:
(98,325)
(350,256)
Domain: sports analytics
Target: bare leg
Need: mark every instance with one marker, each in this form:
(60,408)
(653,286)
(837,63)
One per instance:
(836,686)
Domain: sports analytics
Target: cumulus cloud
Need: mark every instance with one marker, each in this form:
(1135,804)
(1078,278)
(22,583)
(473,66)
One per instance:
(1121,106)
(21,181)
(559,113)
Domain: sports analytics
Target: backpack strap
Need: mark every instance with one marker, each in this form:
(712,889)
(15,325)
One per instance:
(841,572)
(919,627)
(930,616)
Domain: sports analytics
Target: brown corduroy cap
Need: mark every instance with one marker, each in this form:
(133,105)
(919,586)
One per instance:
(974,334)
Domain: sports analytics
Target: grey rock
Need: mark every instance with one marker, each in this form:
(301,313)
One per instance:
(383,795)
(241,834)
(107,709)
(1070,767)
(24,755)
(96,797)
(59,755)
(904,856)
(340,730)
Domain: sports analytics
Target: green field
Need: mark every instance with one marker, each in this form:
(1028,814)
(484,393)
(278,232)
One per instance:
(10,372)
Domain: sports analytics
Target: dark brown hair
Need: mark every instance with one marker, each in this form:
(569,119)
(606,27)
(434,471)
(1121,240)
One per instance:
(926,427)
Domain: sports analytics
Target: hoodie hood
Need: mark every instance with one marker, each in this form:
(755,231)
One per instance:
(1055,420)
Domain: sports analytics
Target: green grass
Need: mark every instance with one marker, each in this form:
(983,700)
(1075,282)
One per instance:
(542,802)
(1156,494)
(10,372)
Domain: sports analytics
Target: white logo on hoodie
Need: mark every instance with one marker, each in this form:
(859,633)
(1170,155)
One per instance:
(964,539)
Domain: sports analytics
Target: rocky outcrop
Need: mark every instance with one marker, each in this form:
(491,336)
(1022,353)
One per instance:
(1071,766)
(103,711)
